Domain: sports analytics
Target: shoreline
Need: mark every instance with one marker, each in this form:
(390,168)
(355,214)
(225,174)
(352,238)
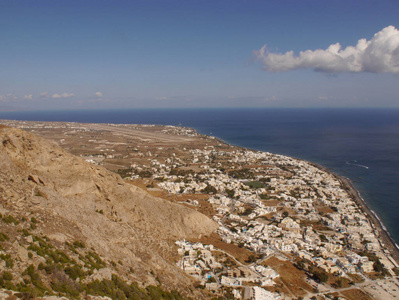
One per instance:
(381,232)
(385,239)
(384,236)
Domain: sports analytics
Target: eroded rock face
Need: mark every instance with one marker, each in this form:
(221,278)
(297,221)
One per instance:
(75,200)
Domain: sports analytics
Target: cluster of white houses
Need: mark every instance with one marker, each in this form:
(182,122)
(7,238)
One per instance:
(284,205)
(198,261)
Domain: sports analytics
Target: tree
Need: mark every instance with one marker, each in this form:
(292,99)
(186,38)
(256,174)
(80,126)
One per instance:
(230,193)
(320,276)
(251,259)
(378,267)
(209,190)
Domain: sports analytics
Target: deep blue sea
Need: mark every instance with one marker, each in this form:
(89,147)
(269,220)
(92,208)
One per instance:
(362,144)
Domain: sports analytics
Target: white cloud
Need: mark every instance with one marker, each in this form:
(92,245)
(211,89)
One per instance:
(98,94)
(8,98)
(28,97)
(268,99)
(44,95)
(378,55)
(64,95)
(323,98)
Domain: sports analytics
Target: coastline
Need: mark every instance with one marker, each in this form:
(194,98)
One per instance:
(381,232)
(385,239)
(156,143)
(383,235)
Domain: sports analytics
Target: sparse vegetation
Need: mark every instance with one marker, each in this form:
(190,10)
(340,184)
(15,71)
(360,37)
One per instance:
(10,219)
(3,237)
(244,173)
(79,244)
(145,174)
(124,173)
(39,194)
(62,275)
(116,288)
(320,276)
(255,184)
(209,190)
(7,276)
(8,259)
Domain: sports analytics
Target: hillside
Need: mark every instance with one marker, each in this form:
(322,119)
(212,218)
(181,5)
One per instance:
(61,213)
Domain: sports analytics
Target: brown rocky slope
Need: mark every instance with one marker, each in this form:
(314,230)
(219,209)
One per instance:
(71,200)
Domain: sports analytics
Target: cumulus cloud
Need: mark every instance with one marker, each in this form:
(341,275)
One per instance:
(8,98)
(44,95)
(28,97)
(378,55)
(98,94)
(64,95)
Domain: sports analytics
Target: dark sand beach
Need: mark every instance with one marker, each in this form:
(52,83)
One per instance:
(382,234)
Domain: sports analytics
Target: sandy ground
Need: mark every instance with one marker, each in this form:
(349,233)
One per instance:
(383,289)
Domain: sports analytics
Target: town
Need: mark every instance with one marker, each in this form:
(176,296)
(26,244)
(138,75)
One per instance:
(288,228)
(276,206)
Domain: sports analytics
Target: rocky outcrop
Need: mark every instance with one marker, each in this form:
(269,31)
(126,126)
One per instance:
(75,200)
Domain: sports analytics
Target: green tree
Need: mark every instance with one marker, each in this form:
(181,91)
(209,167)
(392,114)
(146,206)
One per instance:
(321,276)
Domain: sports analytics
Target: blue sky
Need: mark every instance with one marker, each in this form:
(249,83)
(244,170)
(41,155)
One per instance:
(127,54)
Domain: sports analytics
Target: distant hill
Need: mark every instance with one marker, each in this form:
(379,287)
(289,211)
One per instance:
(66,223)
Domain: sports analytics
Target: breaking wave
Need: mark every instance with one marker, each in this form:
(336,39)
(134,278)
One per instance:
(382,224)
(354,163)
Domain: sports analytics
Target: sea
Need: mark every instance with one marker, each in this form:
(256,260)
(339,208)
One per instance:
(361,144)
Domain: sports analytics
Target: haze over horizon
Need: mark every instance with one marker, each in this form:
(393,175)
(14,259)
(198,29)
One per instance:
(153,54)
